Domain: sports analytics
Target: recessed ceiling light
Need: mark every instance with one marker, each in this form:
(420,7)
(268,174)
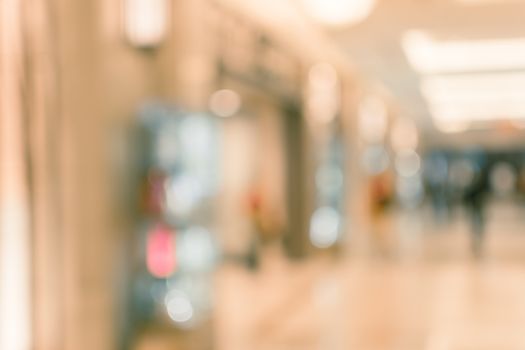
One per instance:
(475,97)
(145,22)
(338,12)
(428,55)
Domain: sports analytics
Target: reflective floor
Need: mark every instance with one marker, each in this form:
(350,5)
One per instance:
(422,290)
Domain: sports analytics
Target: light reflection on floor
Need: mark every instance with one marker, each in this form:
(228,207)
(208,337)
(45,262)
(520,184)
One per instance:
(424,292)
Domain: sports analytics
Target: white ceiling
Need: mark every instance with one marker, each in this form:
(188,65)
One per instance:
(375,44)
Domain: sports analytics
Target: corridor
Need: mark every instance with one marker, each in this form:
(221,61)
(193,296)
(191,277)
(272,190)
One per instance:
(262,175)
(428,293)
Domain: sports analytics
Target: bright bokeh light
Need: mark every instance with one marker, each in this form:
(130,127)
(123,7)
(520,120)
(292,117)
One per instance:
(199,143)
(225,103)
(325,227)
(179,307)
(14,275)
(145,21)
(481,93)
(475,97)
(16,239)
(196,249)
(373,120)
(430,56)
(410,190)
(323,93)
(338,12)
(503,178)
(329,179)
(196,136)
(375,159)
(167,147)
(183,194)
(161,260)
(408,163)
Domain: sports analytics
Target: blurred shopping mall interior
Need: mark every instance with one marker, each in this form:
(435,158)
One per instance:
(262,174)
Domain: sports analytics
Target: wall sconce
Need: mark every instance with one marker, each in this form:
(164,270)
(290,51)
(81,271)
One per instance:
(146,22)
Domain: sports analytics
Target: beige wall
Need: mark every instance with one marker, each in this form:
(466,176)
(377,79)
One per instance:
(15,302)
(100,81)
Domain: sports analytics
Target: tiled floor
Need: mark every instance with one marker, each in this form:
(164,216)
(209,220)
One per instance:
(425,293)
(368,306)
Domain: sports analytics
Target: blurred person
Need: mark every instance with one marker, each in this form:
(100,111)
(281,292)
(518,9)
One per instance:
(254,209)
(439,200)
(475,199)
(436,175)
(521,182)
(267,222)
(381,194)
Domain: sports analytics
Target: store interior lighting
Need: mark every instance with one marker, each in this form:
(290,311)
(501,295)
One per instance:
(475,97)
(428,55)
(338,12)
(145,22)
(465,82)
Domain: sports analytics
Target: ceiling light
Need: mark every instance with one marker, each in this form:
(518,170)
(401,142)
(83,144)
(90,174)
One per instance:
(476,97)
(475,88)
(145,22)
(338,12)
(456,102)
(407,163)
(428,55)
